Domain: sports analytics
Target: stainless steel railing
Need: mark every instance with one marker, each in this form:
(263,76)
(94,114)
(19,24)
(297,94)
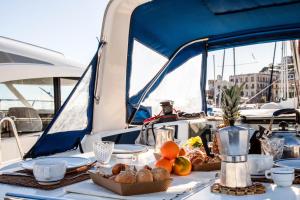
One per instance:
(15,132)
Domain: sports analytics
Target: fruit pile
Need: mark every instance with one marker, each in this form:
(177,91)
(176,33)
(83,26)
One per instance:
(173,159)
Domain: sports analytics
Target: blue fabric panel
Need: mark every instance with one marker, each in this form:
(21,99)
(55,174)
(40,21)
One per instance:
(165,25)
(203,77)
(223,6)
(56,143)
(59,142)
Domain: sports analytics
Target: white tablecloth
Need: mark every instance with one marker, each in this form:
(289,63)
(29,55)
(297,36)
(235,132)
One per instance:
(273,192)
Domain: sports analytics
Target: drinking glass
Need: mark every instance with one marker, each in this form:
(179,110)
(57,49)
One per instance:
(103,151)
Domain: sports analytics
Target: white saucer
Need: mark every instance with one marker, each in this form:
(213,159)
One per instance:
(129,148)
(48,182)
(72,162)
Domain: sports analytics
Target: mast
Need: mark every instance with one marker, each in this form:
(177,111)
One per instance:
(271,76)
(295,52)
(220,93)
(233,51)
(215,90)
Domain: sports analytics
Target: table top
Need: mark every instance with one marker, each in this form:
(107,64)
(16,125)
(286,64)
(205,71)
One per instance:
(273,192)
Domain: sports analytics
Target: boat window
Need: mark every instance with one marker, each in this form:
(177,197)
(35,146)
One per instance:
(253,65)
(32,93)
(145,64)
(182,86)
(35,93)
(75,110)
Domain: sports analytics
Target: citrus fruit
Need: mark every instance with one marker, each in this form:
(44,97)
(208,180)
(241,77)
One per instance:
(165,163)
(169,150)
(182,166)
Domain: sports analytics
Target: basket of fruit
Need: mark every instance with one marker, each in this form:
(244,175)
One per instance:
(198,157)
(126,181)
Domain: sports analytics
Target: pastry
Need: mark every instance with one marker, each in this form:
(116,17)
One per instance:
(144,175)
(117,168)
(127,176)
(148,167)
(160,174)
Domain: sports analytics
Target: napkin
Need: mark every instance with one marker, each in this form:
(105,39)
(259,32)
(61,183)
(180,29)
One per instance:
(180,185)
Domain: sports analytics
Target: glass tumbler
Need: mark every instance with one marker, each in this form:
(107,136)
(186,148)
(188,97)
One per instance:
(103,151)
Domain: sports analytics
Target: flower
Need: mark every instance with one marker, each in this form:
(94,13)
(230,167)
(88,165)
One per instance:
(194,142)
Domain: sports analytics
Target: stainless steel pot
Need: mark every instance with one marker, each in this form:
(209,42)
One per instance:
(234,140)
(163,135)
(290,135)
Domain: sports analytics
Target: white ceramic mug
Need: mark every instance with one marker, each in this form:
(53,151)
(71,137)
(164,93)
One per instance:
(47,172)
(282,176)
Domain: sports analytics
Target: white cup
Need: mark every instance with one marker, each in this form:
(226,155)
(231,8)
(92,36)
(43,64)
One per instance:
(49,172)
(282,176)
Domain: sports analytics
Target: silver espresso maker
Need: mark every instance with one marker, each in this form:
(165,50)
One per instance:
(233,144)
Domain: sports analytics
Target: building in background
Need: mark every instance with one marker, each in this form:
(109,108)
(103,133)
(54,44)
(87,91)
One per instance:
(256,84)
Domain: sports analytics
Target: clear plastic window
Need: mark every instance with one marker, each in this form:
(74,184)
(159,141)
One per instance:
(74,115)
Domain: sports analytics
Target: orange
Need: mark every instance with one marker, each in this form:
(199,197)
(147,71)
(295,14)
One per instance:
(182,166)
(165,163)
(169,150)
(182,152)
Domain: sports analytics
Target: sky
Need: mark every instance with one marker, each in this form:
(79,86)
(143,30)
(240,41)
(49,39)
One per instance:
(68,26)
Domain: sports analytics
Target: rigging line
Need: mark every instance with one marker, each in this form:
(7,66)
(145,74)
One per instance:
(272,71)
(248,63)
(260,92)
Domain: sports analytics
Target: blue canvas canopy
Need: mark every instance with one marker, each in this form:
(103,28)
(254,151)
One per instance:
(178,30)
(165,26)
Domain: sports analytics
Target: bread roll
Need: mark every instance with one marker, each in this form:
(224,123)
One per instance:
(127,176)
(160,174)
(144,175)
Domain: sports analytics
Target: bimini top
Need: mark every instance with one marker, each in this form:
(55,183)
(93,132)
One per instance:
(19,61)
(166,25)
(178,30)
(191,26)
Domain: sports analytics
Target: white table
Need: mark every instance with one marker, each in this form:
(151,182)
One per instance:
(273,192)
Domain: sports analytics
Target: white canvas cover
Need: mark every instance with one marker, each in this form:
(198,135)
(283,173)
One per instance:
(110,111)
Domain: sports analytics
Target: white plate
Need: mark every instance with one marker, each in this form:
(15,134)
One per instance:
(72,162)
(129,148)
(292,162)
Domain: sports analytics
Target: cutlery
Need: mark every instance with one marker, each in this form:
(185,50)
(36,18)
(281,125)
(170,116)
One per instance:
(200,186)
(83,168)
(32,197)
(15,174)
(76,176)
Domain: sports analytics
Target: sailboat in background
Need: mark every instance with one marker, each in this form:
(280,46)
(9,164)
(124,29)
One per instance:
(288,79)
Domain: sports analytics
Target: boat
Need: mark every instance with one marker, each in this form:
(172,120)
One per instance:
(31,99)
(101,107)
